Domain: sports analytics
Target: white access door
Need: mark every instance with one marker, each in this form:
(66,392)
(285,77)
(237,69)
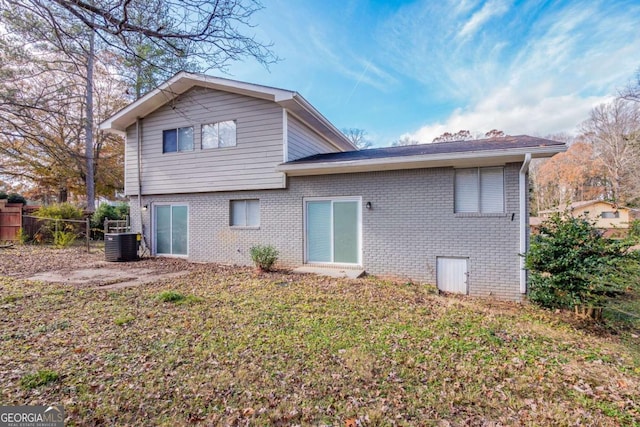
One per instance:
(452,275)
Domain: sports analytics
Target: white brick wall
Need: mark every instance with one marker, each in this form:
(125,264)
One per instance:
(411,223)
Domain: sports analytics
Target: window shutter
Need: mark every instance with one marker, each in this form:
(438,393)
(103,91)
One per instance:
(491,190)
(466,190)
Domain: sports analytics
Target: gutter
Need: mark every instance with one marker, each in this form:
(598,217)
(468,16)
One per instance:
(524,220)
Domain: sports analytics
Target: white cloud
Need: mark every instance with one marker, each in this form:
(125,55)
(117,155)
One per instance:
(489,9)
(570,59)
(540,117)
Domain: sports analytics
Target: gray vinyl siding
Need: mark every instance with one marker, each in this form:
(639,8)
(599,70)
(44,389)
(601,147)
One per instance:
(411,223)
(303,142)
(249,165)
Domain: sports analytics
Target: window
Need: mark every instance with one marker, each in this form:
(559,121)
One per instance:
(479,190)
(610,214)
(219,135)
(180,139)
(245,213)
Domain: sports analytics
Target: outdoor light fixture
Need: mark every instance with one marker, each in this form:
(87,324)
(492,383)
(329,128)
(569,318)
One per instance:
(368,205)
(145,207)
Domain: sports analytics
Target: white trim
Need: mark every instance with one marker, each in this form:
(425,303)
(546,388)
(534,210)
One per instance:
(460,159)
(154,239)
(357,199)
(524,217)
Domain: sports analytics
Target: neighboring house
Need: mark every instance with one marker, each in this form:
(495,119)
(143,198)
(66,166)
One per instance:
(606,215)
(215,166)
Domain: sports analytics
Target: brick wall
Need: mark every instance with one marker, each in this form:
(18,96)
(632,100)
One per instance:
(411,223)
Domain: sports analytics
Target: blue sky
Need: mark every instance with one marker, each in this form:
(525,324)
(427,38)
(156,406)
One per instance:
(420,68)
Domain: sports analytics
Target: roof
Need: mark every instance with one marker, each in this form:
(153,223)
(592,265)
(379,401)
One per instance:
(292,101)
(483,152)
(580,204)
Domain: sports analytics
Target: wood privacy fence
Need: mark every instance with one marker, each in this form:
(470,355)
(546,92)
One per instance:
(10,220)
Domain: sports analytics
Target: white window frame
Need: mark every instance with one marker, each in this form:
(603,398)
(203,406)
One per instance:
(177,130)
(217,124)
(479,194)
(357,199)
(246,216)
(155,223)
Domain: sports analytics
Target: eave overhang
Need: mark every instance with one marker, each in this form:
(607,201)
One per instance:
(477,158)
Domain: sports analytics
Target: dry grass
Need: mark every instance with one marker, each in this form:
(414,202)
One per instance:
(283,349)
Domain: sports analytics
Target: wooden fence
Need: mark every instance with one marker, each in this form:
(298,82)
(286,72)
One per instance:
(10,220)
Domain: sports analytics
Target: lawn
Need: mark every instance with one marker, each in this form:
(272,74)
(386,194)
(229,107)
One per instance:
(225,346)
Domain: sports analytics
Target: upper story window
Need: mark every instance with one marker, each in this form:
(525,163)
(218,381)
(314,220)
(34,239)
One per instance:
(180,139)
(219,135)
(479,190)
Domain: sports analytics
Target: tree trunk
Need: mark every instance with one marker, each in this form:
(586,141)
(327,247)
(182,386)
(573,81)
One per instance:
(90,180)
(63,194)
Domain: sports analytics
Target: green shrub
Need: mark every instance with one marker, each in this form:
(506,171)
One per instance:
(634,230)
(107,211)
(40,378)
(16,198)
(60,211)
(23,236)
(264,256)
(63,239)
(56,230)
(571,264)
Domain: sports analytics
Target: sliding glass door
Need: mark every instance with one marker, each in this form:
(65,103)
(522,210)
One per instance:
(171,229)
(333,231)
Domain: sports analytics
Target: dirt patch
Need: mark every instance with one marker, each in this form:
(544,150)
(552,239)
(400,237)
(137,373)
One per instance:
(106,277)
(76,267)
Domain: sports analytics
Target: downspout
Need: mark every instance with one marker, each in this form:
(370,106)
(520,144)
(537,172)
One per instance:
(143,243)
(523,220)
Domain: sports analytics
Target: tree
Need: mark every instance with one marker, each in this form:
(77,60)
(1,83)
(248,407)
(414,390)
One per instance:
(461,135)
(405,140)
(143,32)
(358,137)
(574,175)
(614,131)
(42,126)
(495,133)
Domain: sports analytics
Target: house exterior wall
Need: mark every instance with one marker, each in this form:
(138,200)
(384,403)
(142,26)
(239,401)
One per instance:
(304,142)
(411,223)
(595,211)
(248,165)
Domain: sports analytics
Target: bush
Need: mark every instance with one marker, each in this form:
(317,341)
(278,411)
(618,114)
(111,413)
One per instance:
(264,256)
(107,211)
(63,239)
(60,211)
(13,198)
(61,233)
(571,264)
